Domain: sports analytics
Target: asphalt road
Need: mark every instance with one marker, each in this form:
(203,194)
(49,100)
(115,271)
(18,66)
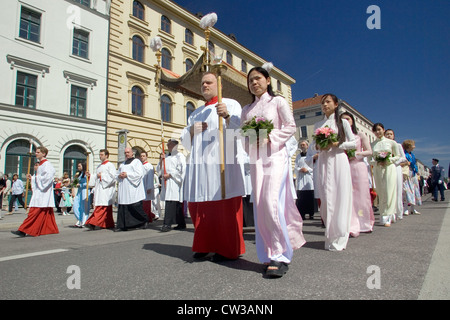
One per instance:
(407,261)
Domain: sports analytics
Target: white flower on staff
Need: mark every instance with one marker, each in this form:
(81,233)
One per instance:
(208,21)
(156,44)
(268,66)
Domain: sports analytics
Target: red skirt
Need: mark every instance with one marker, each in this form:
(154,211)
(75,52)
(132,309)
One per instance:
(218,227)
(147,204)
(40,221)
(102,217)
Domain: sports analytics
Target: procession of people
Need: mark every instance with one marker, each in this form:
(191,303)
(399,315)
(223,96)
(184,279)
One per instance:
(334,178)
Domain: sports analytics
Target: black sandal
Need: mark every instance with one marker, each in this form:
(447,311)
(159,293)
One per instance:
(281,269)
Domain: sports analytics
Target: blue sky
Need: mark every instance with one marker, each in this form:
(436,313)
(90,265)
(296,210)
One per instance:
(398,75)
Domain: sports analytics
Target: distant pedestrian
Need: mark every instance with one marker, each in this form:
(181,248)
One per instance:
(66,197)
(363,218)
(149,185)
(172,186)
(412,191)
(304,183)
(131,194)
(385,154)
(41,218)
(104,187)
(16,193)
(80,205)
(437,179)
(399,165)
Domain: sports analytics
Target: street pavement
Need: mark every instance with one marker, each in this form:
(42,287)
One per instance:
(407,261)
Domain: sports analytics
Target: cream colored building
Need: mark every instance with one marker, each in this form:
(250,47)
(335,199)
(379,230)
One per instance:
(133,92)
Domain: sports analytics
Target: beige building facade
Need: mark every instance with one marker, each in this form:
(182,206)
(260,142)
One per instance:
(136,103)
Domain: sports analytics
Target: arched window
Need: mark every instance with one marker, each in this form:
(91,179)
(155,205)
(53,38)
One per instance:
(166,108)
(166,59)
(137,101)
(166,24)
(244,66)
(16,160)
(189,64)
(72,156)
(229,58)
(189,36)
(138,10)
(189,109)
(138,49)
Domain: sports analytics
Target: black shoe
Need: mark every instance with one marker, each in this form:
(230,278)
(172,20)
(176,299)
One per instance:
(200,255)
(120,229)
(219,258)
(19,233)
(443,199)
(278,269)
(166,228)
(434,199)
(89,227)
(178,227)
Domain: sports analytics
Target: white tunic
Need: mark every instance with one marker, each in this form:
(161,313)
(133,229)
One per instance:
(304,180)
(42,186)
(148,181)
(172,189)
(131,189)
(202,181)
(104,187)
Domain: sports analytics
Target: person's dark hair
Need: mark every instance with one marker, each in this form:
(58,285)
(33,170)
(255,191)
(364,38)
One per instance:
(389,130)
(82,173)
(353,125)
(105,151)
(337,118)
(374,127)
(266,75)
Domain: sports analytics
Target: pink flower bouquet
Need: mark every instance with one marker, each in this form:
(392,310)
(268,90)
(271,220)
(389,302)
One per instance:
(324,136)
(383,157)
(255,124)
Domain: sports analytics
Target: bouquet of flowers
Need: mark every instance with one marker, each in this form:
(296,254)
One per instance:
(255,124)
(324,136)
(351,153)
(382,157)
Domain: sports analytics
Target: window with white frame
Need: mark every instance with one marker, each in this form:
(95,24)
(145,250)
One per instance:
(78,101)
(26,90)
(30,25)
(80,44)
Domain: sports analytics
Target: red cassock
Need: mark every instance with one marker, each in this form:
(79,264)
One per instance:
(40,221)
(147,204)
(218,227)
(102,217)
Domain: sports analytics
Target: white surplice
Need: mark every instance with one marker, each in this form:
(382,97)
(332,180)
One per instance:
(42,186)
(172,188)
(104,187)
(148,180)
(202,180)
(131,189)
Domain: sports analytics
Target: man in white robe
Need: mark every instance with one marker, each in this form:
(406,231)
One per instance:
(172,186)
(218,222)
(131,194)
(104,186)
(41,218)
